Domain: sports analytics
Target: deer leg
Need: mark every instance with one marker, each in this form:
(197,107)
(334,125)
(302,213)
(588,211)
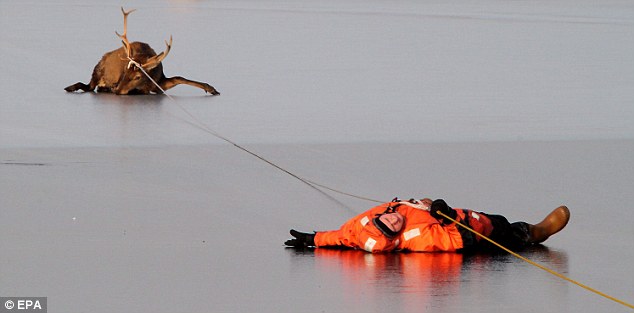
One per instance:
(79,86)
(167,83)
(85,87)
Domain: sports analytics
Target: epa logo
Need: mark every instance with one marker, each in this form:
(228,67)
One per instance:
(23,304)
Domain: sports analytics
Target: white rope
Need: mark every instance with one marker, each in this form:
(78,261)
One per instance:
(200,125)
(135,63)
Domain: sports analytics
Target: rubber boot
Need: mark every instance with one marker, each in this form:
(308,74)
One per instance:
(553,223)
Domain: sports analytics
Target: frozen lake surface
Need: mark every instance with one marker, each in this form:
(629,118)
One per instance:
(118,204)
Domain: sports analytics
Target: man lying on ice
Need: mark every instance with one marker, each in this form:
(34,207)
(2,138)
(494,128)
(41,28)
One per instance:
(416,226)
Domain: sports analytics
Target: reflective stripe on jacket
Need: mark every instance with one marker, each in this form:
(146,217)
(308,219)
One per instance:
(360,233)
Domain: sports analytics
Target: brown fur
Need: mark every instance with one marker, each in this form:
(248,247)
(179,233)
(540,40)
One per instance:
(112,73)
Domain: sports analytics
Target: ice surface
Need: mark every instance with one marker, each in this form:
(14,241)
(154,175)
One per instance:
(117,204)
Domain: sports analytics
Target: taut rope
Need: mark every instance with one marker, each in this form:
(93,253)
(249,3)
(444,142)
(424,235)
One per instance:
(536,264)
(198,124)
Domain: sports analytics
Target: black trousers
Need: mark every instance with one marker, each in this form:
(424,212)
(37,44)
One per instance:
(514,236)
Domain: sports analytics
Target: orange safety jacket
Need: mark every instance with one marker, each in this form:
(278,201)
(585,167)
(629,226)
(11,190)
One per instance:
(429,235)
(426,234)
(359,233)
(421,232)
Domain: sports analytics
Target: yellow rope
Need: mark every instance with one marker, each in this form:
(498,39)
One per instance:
(538,265)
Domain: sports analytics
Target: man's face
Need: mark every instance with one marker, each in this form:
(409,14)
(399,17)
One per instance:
(426,202)
(394,221)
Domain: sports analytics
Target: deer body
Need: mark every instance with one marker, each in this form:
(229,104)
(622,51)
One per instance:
(118,70)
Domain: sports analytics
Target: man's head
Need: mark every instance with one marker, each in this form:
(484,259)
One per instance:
(390,224)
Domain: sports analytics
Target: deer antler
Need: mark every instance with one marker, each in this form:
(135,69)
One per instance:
(155,60)
(124,37)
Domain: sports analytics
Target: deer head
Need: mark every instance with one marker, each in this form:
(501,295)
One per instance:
(141,62)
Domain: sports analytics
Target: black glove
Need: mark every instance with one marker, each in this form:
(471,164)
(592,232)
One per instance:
(302,240)
(441,205)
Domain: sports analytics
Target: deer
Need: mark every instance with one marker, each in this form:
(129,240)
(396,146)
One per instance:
(127,70)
